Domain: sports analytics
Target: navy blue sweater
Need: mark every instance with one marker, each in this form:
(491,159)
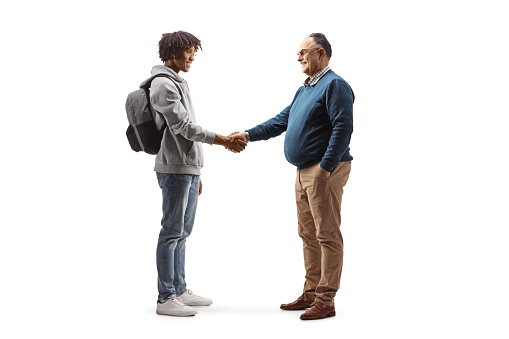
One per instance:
(318,124)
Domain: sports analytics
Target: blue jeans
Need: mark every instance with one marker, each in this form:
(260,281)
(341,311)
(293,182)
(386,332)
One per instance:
(180,199)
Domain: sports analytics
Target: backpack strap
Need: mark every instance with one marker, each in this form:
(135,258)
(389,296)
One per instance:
(146,87)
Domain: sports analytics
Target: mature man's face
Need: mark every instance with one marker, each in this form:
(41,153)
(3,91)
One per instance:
(310,58)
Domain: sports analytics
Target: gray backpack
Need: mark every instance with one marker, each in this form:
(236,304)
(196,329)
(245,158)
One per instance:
(143,133)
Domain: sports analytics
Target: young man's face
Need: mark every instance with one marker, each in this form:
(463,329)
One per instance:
(183,61)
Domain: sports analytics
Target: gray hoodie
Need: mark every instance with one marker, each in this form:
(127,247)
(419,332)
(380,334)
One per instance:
(181,151)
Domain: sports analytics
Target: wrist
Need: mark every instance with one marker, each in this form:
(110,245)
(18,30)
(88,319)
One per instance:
(219,140)
(326,166)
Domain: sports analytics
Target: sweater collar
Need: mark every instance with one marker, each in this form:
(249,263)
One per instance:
(317,77)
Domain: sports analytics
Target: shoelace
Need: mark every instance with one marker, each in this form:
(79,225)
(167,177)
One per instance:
(191,293)
(301,298)
(178,301)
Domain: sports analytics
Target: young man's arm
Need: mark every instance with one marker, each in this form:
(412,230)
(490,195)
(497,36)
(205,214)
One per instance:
(165,98)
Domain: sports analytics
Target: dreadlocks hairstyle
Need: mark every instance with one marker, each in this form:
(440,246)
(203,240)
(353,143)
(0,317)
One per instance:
(322,42)
(171,44)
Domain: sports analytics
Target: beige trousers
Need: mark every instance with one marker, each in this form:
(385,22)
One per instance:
(319,215)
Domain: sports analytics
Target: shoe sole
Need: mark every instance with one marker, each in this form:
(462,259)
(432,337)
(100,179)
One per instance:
(290,308)
(333,314)
(199,304)
(177,315)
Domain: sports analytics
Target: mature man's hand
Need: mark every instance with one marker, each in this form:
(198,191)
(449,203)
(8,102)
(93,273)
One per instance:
(230,143)
(235,145)
(240,137)
(327,174)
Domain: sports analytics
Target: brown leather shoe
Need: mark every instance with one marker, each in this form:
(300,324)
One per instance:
(318,311)
(301,303)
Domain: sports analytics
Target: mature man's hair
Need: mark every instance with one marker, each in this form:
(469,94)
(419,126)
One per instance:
(171,44)
(322,42)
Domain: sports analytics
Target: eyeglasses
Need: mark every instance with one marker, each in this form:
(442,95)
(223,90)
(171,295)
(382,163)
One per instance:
(307,50)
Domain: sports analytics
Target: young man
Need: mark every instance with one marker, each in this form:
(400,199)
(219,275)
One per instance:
(318,125)
(177,167)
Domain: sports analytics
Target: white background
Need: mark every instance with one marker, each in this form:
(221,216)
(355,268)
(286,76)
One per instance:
(424,212)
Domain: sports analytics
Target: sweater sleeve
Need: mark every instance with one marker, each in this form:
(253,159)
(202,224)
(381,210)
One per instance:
(339,102)
(165,99)
(272,127)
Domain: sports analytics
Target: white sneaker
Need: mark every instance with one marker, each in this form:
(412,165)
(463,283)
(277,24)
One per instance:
(191,299)
(175,307)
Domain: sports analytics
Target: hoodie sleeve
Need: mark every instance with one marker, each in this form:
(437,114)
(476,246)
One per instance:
(165,99)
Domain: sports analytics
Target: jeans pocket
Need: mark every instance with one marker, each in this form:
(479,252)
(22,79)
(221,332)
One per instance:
(160,179)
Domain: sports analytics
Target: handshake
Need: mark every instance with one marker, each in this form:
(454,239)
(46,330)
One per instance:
(236,142)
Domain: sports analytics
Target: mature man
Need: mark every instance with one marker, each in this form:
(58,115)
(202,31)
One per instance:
(177,167)
(318,125)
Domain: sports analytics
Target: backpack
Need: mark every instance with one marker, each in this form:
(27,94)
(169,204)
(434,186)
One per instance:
(142,133)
